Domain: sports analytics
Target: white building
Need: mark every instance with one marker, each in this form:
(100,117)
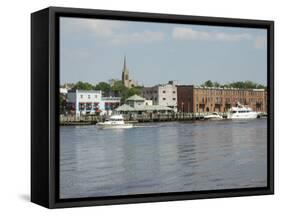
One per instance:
(90,102)
(164,95)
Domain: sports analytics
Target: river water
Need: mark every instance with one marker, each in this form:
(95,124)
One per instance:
(162,157)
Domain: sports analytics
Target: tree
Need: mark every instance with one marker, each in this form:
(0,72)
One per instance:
(134,90)
(238,84)
(124,92)
(216,84)
(104,87)
(119,89)
(118,86)
(208,83)
(246,85)
(83,86)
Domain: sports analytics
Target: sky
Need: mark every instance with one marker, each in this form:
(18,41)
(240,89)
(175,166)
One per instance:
(93,50)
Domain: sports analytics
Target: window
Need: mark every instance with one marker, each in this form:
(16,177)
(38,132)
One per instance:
(174,98)
(81,96)
(164,98)
(89,96)
(174,92)
(164,92)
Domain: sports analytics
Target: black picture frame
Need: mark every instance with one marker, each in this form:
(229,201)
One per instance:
(45,97)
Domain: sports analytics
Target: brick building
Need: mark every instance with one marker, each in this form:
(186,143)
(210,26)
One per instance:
(210,99)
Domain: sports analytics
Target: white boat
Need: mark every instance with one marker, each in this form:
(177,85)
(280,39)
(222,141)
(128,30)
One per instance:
(115,121)
(213,116)
(241,112)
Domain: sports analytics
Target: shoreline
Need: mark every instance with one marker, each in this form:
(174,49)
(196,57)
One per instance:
(85,123)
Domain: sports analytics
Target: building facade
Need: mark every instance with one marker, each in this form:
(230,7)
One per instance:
(139,105)
(164,95)
(210,99)
(90,102)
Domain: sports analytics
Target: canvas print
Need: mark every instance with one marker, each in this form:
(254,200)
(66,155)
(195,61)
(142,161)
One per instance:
(149,108)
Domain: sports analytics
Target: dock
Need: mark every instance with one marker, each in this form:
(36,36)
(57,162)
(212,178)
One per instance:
(134,118)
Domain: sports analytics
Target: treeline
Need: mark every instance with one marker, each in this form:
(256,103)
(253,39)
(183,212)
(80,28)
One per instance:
(239,84)
(116,89)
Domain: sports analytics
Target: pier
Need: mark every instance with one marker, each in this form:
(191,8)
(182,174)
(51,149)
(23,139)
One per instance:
(134,118)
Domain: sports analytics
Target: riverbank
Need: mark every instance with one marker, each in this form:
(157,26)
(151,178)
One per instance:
(140,118)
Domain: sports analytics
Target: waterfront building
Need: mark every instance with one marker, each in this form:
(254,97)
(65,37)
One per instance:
(127,82)
(164,95)
(108,104)
(136,101)
(90,102)
(193,98)
(137,104)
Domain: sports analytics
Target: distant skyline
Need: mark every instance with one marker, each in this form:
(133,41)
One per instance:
(92,50)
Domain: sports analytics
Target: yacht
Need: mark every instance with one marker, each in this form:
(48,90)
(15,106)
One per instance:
(241,112)
(213,116)
(114,121)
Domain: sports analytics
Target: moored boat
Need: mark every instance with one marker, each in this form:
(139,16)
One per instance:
(213,116)
(241,112)
(114,122)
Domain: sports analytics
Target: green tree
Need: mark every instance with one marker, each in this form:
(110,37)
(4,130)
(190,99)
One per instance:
(119,89)
(246,85)
(83,86)
(134,90)
(104,87)
(124,92)
(238,84)
(208,83)
(216,84)
(118,86)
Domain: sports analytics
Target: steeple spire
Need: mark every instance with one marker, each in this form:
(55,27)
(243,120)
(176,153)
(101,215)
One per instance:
(125,73)
(125,66)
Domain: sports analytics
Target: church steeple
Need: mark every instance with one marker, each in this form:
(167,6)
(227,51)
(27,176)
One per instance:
(124,66)
(125,74)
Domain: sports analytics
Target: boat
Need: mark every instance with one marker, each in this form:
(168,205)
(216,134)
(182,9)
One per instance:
(241,112)
(114,122)
(213,116)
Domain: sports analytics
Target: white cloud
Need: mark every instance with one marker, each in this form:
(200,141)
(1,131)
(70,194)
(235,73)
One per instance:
(115,32)
(101,28)
(181,33)
(260,42)
(137,37)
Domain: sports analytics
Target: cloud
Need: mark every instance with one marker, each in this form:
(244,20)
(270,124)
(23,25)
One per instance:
(145,36)
(99,27)
(260,42)
(181,33)
(115,32)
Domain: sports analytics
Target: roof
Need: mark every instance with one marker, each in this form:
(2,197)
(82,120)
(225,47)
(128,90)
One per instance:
(135,98)
(125,107)
(151,108)
(84,91)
